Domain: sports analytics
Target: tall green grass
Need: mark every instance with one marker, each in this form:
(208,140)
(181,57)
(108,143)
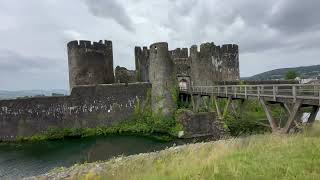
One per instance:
(254,157)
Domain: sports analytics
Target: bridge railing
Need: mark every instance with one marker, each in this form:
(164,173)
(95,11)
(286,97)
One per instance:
(293,91)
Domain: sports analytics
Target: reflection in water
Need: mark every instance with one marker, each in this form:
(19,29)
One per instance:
(29,159)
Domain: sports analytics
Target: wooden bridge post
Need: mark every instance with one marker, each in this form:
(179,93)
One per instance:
(216,104)
(245,92)
(193,103)
(181,98)
(293,116)
(274,93)
(211,100)
(294,93)
(198,102)
(226,90)
(287,107)
(269,115)
(226,108)
(319,97)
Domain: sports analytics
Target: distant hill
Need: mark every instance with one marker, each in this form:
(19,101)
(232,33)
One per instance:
(304,72)
(30,93)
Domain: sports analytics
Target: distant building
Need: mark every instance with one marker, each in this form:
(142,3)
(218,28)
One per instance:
(308,80)
(314,82)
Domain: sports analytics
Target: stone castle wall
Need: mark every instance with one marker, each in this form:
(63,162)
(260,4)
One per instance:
(202,67)
(90,63)
(201,124)
(214,63)
(87,106)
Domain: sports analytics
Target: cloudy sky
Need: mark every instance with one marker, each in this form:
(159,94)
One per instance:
(271,34)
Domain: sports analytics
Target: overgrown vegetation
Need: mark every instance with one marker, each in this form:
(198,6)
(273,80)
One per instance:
(248,117)
(243,118)
(255,157)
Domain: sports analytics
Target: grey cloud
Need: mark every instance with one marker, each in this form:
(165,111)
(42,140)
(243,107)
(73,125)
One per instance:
(268,25)
(110,9)
(296,16)
(272,33)
(184,7)
(11,61)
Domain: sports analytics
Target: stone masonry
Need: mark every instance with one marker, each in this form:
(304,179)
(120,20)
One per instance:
(90,63)
(205,67)
(95,101)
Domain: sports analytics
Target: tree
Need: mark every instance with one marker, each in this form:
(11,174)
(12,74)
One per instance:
(291,74)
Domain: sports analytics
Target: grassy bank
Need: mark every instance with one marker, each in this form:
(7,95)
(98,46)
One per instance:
(254,157)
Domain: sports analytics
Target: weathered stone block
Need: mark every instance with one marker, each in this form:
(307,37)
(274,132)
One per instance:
(201,124)
(86,107)
(123,75)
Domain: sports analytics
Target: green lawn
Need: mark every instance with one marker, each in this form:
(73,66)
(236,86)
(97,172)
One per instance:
(255,157)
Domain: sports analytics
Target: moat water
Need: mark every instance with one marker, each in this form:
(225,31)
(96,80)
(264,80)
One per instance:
(30,159)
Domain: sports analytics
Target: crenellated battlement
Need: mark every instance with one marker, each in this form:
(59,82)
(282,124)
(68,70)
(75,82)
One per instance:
(141,50)
(90,62)
(212,49)
(205,65)
(179,53)
(84,44)
(142,56)
(229,48)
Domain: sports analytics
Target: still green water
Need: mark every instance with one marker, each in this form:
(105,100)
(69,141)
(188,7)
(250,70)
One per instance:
(29,159)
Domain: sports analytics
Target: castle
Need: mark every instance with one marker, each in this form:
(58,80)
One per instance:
(200,68)
(102,96)
(92,63)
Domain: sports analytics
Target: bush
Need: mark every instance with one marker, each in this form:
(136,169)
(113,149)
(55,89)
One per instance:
(291,75)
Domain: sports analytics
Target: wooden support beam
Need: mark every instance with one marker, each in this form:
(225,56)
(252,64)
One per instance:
(181,98)
(287,107)
(198,102)
(293,116)
(269,115)
(233,107)
(216,104)
(313,114)
(193,103)
(225,110)
(211,104)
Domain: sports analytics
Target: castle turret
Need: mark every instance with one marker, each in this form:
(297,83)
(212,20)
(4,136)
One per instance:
(202,65)
(90,63)
(142,63)
(214,63)
(230,62)
(162,77)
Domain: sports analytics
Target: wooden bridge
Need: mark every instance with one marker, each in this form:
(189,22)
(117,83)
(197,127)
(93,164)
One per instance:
(293,97)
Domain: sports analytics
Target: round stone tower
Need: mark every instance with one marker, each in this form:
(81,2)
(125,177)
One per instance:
(162,77)
(90,63)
